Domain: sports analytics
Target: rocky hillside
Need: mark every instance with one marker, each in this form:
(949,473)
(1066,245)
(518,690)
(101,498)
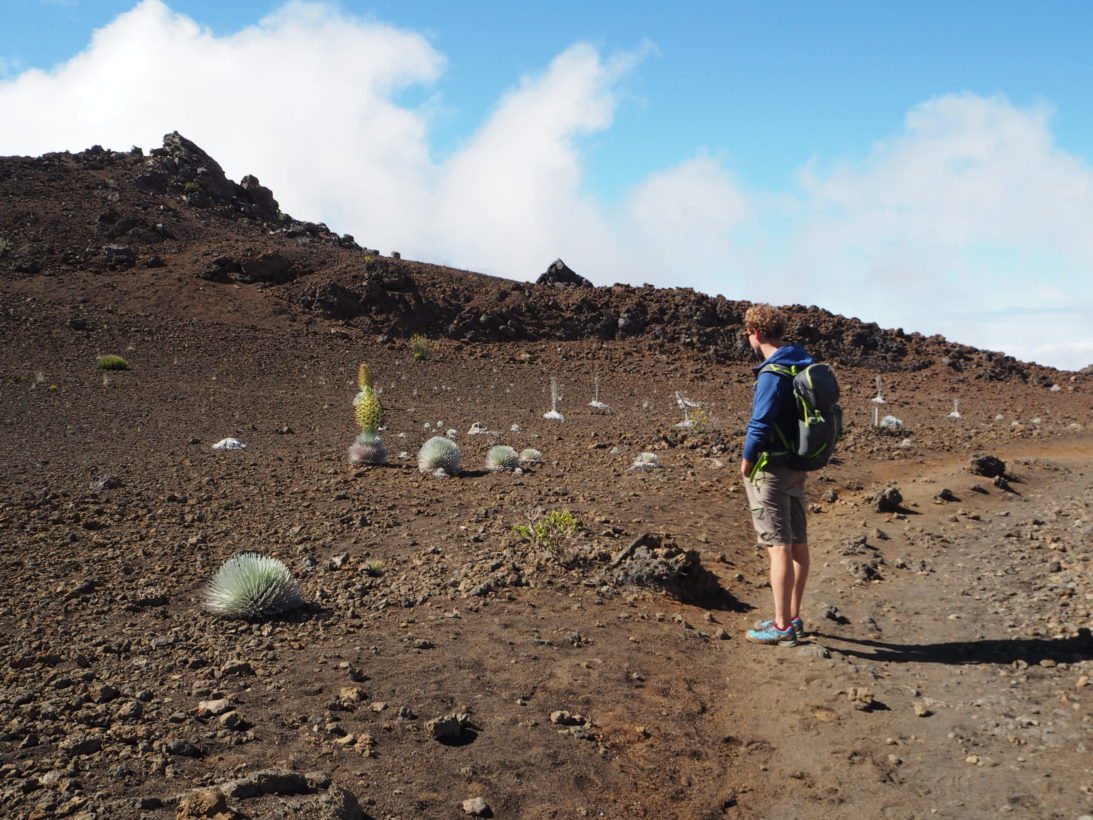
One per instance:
(143,222)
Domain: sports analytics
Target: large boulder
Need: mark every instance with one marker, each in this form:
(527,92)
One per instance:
(559,275)
(986,465)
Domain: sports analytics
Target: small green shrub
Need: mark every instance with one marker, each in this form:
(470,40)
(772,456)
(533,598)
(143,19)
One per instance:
(112,363)
(550,531)
(422,347)
(191,188)
(249,585)
(700,420)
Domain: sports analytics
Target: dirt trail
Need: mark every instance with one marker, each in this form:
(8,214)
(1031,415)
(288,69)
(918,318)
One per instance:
(964,626)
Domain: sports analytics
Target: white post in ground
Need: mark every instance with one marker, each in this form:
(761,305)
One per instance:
(879,398)
(554,414)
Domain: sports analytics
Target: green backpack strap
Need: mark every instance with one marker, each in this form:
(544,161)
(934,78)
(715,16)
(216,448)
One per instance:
(789,373)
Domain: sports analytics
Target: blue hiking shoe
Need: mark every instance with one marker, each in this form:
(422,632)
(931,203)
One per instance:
(797,624)
(773,635)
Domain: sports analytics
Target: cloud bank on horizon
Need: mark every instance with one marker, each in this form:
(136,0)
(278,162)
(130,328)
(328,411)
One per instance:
(967,221)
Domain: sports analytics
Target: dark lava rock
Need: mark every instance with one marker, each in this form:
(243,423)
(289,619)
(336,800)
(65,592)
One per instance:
(106,482)
(118,257)
(268,267)
(183,748)
(221,269)
(988,466)
(560,276)
(654,561)
(887,500)
(261,196)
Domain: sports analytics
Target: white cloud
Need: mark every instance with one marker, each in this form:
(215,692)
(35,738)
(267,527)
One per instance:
(969,210)
(511,199)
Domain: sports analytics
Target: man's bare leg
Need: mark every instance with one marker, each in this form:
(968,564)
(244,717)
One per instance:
(782,583)
(800,577)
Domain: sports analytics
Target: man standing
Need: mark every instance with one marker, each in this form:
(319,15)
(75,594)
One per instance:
(776,493)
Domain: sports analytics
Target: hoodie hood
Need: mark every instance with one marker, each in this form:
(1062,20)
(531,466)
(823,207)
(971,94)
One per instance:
(787,356)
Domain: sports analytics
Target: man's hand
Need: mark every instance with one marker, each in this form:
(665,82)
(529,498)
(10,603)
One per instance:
(745,468)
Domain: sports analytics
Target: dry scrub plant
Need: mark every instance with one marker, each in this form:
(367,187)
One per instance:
(422,347)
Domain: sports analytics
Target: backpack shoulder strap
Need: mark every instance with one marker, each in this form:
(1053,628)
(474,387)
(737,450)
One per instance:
(781,370)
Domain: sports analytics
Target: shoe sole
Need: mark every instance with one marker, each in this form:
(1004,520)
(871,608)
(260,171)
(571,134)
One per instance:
(774,642)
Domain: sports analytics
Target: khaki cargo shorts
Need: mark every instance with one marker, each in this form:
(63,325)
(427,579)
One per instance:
(777,501)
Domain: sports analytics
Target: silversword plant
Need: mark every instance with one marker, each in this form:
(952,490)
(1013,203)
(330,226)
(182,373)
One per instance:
(502,458)
(369,447)
(645,461)
(249,585)
(439,455)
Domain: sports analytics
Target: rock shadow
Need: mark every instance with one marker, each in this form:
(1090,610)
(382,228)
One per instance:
(1030,650)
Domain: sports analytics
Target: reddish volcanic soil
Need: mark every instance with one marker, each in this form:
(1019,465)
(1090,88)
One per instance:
(945,674)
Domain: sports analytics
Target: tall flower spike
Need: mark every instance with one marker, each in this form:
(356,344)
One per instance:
(369,411)
(364,376)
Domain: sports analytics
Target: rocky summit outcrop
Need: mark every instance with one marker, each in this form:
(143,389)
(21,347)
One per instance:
(560,275)
(175,212)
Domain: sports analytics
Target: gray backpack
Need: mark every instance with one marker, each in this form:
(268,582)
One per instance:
(819,417)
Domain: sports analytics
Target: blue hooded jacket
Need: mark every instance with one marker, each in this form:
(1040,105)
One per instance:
(773,402)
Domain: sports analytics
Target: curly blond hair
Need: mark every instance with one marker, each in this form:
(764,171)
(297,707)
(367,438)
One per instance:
(767,320)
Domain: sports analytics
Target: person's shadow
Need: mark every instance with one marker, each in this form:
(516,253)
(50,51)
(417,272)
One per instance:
(1030,650)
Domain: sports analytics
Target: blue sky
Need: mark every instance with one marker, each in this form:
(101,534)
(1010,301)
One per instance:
(925,165)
